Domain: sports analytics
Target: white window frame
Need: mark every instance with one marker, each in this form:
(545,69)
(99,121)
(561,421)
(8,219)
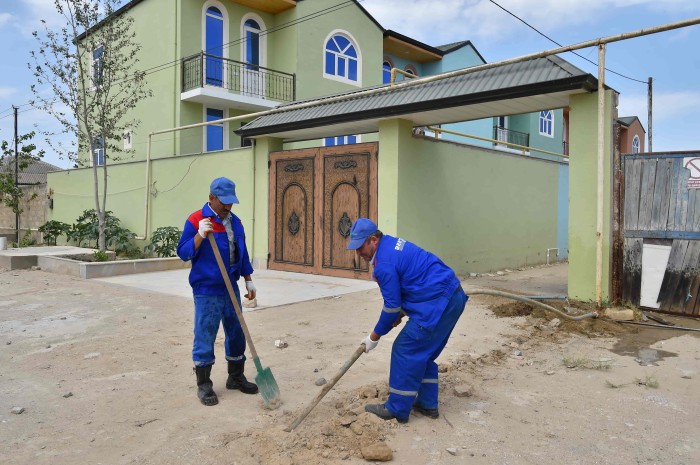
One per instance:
(335,77)
(100,61)
(262,38)
(548,121)
(224,125)
(358,139)
(94,157)
(128,138)
(636,144)
(224,13)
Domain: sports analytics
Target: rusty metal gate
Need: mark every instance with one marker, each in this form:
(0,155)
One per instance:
(315,195)
(661,254)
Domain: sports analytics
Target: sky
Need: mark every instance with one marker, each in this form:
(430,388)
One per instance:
(671,59)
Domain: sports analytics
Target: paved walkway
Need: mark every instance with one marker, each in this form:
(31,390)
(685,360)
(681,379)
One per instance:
(274,287)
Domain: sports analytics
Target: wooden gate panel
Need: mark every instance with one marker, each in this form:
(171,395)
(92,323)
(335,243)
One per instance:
(349,186)
(292,206)
(632,269)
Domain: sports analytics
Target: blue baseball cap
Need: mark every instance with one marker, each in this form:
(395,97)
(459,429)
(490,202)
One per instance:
(360,231)
(225,190)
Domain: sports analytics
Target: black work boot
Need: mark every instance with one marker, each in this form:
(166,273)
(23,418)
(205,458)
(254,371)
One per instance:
(428,412)
(236,379)
(382,412)
(205,390)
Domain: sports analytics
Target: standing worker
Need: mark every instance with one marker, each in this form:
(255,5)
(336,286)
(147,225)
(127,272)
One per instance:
(416,283)
(212,303)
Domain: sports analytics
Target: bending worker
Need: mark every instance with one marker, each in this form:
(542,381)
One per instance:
(415,283)
(212,304)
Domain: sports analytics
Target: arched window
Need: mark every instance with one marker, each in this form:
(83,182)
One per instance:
(547,123)
(214,28)
(386,70)
(635,144)
(342,59)
(411,69)
(251,33)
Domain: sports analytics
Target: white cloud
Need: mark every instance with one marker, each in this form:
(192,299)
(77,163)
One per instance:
(42,10)
(481,20)
(7,92)
(5,18)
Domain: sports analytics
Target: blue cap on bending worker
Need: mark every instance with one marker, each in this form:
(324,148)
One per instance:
(225,190)
(360,231)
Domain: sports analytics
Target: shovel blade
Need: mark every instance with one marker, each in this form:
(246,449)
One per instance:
(269,390)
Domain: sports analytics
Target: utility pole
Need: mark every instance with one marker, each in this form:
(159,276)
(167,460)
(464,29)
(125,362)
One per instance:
(16,172)
(649,101)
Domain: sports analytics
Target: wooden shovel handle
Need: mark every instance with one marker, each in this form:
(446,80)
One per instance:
(232,294)
(327,387)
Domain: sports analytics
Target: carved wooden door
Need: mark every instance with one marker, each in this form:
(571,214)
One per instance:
(315,196)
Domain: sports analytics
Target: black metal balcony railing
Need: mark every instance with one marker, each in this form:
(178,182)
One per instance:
(513,137)
(243,78)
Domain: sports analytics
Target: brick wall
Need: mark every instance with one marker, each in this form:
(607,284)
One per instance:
(34,214)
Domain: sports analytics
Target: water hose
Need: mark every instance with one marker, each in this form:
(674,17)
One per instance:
(521,298)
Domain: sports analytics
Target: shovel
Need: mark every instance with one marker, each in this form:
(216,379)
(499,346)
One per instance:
(269,390)
(346,366)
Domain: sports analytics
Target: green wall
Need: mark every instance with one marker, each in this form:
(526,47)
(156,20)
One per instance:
(583,161)
(179,186)
(478,209)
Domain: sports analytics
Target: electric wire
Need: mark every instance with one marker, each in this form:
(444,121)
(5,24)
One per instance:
(560,45)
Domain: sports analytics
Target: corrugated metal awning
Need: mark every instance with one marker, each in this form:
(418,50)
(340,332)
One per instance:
(516,88)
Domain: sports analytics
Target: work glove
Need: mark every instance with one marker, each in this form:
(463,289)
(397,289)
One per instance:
(369,343)
(205,227)
(252,291)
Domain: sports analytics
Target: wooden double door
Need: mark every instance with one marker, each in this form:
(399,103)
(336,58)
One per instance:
(315,196)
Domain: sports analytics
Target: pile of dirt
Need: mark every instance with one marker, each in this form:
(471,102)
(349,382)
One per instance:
(346,430)
(541,320)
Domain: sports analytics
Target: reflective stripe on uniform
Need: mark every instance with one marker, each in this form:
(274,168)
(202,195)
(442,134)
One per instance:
(429,381)
(392,310)
(403,393)
(235,359)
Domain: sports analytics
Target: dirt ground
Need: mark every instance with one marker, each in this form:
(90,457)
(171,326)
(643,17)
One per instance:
(104,376)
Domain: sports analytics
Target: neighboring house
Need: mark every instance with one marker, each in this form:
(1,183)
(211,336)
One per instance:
(632,135)
(32,180)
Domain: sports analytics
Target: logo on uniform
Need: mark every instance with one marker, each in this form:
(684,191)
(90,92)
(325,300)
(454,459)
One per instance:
(399,244)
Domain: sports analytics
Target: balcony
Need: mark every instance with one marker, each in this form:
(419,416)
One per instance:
(213,80)
(512,137)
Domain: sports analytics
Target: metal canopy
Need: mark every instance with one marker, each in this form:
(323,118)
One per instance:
(524,87)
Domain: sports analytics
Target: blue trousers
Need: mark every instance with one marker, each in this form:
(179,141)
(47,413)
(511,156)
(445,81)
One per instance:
(413,377)
(209,311)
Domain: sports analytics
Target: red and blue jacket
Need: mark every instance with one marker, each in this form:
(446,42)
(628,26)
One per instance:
(205,277)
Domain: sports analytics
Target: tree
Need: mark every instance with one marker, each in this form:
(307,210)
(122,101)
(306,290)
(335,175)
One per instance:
(90,64)
(10,191)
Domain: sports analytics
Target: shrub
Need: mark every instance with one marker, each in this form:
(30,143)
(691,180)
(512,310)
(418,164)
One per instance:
(100,256)
(27,240)
(52,230)
(86,229)
(164,241)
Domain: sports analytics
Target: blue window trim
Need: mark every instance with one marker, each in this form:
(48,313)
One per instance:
(636,144)
(98,155)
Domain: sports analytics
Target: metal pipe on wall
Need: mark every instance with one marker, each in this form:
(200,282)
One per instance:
(600,184)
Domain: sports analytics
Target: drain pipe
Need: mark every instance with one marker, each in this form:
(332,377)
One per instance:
(531,302)
(147,199)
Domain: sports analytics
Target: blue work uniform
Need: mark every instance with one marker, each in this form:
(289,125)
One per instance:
(212,304)
(418,284)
